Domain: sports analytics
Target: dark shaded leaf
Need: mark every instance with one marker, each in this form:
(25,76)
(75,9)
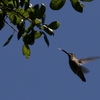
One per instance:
(86,0)
(57,4)
(41,11)
(21,28)
(26,51)
(54,25)
(27,2)
(32,13)
(36,8)
(8,40)
(22,2)
(48,30)
(1,24)
(2,16)
(43,18)
(16,3)
(29,38)
(77,5)
(46,39)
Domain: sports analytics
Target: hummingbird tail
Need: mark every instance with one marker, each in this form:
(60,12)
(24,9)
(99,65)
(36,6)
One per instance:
(81,76)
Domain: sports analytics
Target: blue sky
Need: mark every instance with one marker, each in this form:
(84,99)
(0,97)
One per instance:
(46,75)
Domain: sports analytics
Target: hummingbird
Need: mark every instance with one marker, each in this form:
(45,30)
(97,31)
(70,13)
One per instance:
(76,64)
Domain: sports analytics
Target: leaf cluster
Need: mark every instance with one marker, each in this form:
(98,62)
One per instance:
(76,4)
(21,12)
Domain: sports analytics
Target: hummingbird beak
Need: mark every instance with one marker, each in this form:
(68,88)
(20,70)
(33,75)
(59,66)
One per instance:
(64,51)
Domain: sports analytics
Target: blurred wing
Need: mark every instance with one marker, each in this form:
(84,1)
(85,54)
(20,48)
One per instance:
(82,61)
(85,70)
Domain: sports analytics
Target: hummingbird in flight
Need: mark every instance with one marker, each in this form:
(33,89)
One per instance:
(76,64)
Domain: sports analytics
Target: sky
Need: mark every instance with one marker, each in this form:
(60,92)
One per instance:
(46,75)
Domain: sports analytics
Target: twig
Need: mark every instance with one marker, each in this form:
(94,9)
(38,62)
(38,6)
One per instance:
(11,26)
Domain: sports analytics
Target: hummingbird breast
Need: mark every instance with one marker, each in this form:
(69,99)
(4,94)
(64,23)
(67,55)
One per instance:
(75,66)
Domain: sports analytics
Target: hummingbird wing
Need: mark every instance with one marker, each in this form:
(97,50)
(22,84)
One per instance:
(85,70)
(85,60)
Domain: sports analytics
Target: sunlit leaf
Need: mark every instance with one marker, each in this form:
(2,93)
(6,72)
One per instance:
(14,19)
(8,40)
(22,12)
(54,25)
(37,21)
(57,4)
(77,5)
(37,34)
(26,51)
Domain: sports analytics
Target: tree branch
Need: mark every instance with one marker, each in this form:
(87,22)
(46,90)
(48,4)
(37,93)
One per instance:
(11,26)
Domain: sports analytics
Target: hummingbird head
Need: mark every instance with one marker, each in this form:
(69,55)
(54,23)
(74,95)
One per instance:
(70,55)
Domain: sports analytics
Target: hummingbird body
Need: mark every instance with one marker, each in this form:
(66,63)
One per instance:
(75,64)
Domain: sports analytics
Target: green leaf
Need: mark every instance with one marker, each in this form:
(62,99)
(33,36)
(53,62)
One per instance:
(48,30)
(77,5)
(22,12)
(46,39)
(10,4)
(37,34)
(16,3)
(57,4)
(14,19)
(54,25)
(86,0)
(41,11)
(26,51)
(37,21)
(6,1)
(8,40)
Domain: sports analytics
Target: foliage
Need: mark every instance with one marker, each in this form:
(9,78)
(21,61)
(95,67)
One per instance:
(19,12)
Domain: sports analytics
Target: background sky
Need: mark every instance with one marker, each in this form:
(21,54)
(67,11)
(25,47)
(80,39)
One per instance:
(46,75)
